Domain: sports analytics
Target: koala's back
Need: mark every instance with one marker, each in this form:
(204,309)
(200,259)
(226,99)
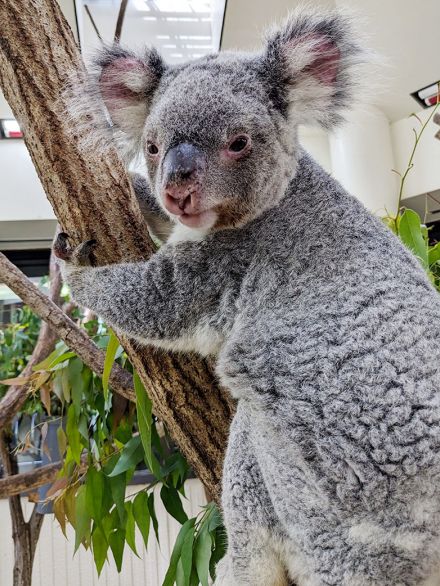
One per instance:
(335,355)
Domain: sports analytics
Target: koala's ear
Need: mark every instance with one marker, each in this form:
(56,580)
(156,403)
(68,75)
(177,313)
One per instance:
(127,84)
(310,65)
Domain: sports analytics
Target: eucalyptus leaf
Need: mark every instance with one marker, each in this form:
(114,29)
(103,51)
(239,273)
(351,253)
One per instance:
(215,518)
(130,456)
(220,544)
(63,358)
(186,556)
(82,518)
(110,355)
(118,485)
(94,493)
(48,362)
(172,503)
(62,440)
(142,515)
(65,383)
(180,574)
(434,254)
(145,423)
(117,542)
(411,234)
(203,550)
(74,369)
(100,547)
(170,576)
(153,516)
(130,530)
(73,435)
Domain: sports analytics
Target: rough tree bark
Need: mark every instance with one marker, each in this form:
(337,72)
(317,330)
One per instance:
(28,481)
(92,198)
(25,534)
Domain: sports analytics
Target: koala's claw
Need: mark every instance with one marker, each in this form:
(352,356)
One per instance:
(81,255)
(61,247)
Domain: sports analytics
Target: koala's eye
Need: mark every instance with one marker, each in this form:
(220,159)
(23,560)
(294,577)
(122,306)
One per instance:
(152,148)
(239,143)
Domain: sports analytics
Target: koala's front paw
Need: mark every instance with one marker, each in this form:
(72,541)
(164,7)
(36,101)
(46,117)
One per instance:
(80,256)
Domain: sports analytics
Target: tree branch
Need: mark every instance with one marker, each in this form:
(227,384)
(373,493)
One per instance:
(28,481)
(63,327)
(35,524)
(92,22)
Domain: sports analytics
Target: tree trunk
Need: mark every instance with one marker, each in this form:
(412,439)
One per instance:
(23,549)
(24,534)
(92,198)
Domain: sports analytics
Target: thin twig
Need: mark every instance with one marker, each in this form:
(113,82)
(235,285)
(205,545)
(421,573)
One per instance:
(92,20)
(120,21)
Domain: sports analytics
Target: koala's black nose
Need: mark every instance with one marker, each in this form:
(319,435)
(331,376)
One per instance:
(181,163)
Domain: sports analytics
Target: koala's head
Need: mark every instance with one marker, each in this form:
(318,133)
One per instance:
(219,134)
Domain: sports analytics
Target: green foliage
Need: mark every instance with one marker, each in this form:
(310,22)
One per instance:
(110,355)
(145,423)
(414,234)
(410,231)
(103,442)
(141,515)
(201,543)
(17,342)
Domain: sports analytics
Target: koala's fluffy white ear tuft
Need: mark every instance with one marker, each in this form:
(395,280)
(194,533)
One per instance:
(311,65)
(127,84)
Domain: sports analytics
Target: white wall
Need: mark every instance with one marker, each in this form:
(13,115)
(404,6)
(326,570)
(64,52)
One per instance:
(362,159)
(316,142)
(21,194)
(56,566)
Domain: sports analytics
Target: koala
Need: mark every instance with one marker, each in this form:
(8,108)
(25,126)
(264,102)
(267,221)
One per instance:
(323,326)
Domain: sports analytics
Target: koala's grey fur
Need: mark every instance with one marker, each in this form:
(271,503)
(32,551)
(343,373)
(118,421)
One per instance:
(326,329)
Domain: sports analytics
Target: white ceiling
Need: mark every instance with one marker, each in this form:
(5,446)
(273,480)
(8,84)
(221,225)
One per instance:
(404,32)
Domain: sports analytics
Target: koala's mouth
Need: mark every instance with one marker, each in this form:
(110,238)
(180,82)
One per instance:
(185,201)
(205,219)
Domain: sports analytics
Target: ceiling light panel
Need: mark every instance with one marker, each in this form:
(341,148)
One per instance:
(182,30)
